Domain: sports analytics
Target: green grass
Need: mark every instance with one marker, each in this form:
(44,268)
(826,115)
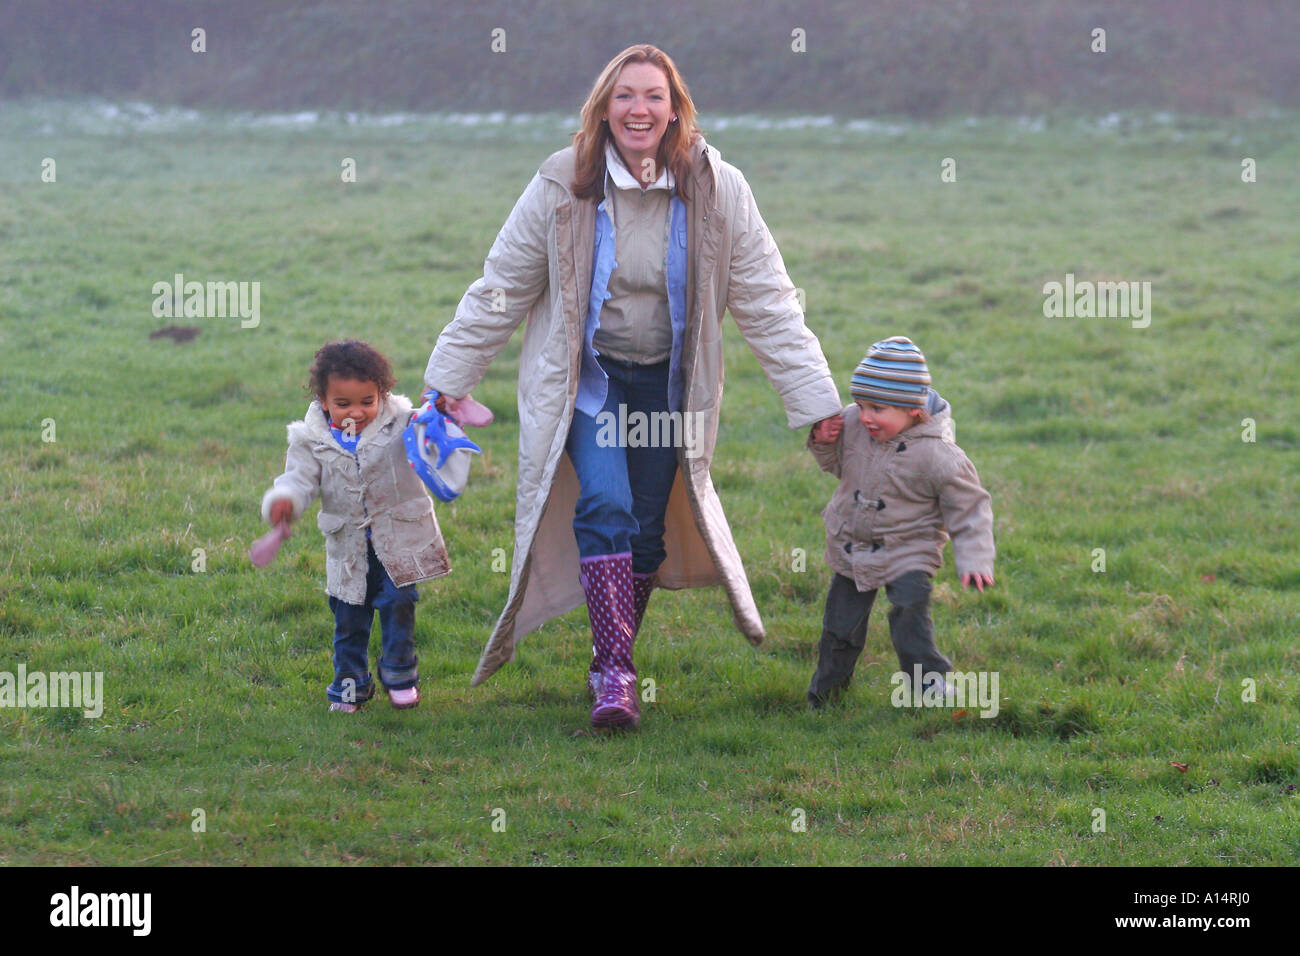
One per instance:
(1089,434)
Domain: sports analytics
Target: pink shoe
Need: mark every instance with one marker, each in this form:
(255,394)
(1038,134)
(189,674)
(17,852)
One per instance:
(344,708)
(404,699)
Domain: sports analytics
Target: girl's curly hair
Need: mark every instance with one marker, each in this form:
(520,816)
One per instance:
(349,359)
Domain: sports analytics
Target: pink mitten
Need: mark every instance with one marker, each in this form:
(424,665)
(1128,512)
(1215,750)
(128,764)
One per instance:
(266,547)
(470,412)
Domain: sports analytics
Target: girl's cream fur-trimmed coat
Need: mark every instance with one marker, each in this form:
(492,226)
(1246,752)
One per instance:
(538,273)
(377,489)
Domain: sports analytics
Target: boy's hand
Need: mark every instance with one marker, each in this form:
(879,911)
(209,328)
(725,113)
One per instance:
(981,581)
(828,430)
(281,510)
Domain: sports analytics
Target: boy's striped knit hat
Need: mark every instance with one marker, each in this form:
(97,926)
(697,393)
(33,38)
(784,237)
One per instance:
(893,373)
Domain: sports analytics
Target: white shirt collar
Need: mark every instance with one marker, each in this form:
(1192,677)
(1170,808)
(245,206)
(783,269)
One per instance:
(623,179)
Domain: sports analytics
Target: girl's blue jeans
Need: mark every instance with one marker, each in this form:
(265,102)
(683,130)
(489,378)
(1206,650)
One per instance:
(623,485)
(352,622)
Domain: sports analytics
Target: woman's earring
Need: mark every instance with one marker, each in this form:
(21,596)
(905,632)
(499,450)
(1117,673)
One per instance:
(673,120)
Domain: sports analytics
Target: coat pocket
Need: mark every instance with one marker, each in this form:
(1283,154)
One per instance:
(330,523)
(414,526)
(839,530)
(410,543)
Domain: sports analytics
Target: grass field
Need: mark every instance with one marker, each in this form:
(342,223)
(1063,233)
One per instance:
(1090,434)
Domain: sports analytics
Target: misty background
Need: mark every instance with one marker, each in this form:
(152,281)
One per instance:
(885,57)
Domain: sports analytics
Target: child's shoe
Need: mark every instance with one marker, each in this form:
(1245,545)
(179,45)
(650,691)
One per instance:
(936,685)
(404,699)
(822,698)
(934,692)
(344,708)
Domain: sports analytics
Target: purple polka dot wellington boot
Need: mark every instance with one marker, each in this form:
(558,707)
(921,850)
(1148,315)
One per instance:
(616,602)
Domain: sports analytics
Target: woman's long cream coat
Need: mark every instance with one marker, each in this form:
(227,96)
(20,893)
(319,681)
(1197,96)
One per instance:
(539,271)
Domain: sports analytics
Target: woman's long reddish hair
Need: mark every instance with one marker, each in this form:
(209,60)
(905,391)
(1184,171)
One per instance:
(589,142)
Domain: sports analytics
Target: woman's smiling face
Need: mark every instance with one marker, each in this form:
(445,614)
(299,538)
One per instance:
(639,111)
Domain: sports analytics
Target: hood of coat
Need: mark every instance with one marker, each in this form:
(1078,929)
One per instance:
(559,168)
(314,426)
(936,403)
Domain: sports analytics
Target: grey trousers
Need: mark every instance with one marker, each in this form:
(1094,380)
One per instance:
(844,632)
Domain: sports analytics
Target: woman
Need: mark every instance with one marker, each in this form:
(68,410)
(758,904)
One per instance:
(604,514)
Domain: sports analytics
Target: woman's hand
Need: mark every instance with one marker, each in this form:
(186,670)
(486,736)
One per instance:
(445,403)
(980,581)
(828,430)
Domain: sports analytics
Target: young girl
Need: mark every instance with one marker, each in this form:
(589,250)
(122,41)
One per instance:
(381,536)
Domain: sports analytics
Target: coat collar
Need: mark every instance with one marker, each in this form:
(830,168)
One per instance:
(315,424)
(936,427)
(560,166)
(622,177)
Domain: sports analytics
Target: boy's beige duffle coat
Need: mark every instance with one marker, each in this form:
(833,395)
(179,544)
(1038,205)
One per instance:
(895,499)
(377,489)
(539,272)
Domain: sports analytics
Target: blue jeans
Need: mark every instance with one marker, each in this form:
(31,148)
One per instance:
(352,622)
(623,490)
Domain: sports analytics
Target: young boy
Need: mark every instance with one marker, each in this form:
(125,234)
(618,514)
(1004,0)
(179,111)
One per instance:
(903,481)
